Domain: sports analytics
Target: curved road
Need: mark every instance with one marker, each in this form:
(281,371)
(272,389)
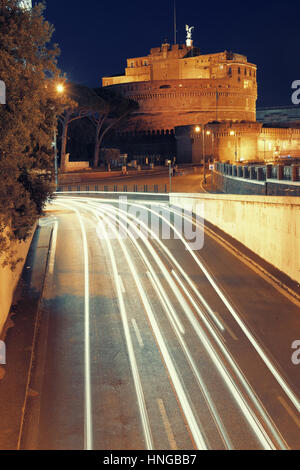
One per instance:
(152,340)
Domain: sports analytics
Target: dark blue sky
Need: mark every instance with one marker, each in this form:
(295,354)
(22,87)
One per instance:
(97,36)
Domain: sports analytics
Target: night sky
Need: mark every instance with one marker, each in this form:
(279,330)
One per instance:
(97,36)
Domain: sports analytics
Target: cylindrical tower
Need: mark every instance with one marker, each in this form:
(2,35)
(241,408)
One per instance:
(176,86)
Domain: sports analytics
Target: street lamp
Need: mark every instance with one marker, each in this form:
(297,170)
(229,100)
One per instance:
(212,142)
(60,90)
(198,130)
(170,174)
(233,133)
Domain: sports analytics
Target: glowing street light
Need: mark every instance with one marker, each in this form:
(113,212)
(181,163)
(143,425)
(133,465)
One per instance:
(60,88)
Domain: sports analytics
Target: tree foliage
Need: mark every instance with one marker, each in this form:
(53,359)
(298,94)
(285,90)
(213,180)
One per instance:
(28,66)
(82,102)
(115,110)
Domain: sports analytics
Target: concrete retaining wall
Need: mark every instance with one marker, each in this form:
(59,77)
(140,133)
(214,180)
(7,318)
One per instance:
(9,280)
(269,226)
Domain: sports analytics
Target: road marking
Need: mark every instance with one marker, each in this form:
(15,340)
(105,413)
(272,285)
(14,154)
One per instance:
(53,249)
(167,424)
(289,411)
(137,332)
(122,285)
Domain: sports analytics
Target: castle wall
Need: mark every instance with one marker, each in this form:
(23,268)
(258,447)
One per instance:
(178,86)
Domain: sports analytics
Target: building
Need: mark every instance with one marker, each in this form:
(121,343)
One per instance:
(178,85)
(237,142)
(206,103)
(283,116)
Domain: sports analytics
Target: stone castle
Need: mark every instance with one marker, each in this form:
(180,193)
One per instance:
(178,88)
(177,85)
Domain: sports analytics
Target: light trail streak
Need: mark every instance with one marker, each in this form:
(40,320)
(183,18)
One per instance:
(53,248)
(210,404)
(253,421)
(191,420)
(289,392)
(257,425)
(130,349)
(88,427)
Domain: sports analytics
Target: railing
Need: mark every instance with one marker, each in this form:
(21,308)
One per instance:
(260,172)
(116,188)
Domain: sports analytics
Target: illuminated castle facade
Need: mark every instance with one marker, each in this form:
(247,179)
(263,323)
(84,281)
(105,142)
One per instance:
(182,92)
(177,85)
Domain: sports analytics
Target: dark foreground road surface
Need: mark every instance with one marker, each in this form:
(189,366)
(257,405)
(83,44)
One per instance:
(148,339)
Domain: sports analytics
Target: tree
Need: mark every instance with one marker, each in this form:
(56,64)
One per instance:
(28,66)
(81,102)
(116,109)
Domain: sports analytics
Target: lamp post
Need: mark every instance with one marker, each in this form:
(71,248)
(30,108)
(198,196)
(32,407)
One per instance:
(203,149)
(60,90)
(209,132)
(170,174)
(233,133)
(198,130)
(212,142)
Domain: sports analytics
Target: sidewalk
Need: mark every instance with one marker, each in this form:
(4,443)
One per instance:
(18,336)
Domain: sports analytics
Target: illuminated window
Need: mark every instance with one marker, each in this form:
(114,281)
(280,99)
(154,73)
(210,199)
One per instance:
(246,84)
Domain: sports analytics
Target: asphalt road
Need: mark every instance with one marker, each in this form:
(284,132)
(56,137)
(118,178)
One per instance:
(150,339)
(186,180)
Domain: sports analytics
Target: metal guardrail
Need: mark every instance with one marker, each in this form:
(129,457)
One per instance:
(260,172)
(116,188)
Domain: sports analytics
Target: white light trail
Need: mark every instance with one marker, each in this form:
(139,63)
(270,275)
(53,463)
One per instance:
(250,392)
(192,422)
(130,349)
(88,428)
(289,392)
(53,248)
(253,421)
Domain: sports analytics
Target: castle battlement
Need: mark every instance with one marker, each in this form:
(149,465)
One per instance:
(178,85)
